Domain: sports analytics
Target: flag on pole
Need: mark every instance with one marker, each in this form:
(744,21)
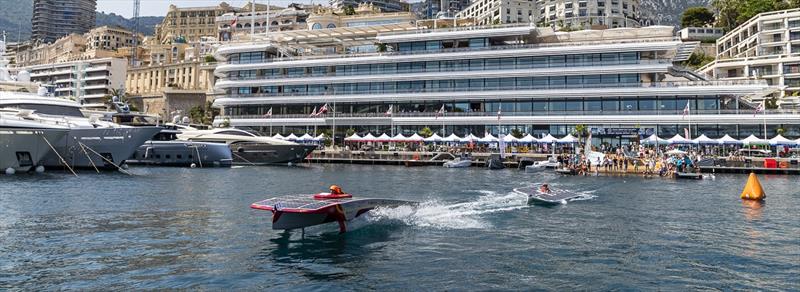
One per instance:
(389,111)
(499,113)
(440,112)
(759,109)
(686,110)
(235,21)
(313,112)
(269,113)
(686,133)
(323,109)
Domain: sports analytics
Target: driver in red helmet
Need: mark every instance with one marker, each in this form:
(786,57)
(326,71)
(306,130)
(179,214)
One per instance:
(336,190)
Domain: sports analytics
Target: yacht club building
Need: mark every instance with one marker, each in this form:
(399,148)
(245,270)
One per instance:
(620,83)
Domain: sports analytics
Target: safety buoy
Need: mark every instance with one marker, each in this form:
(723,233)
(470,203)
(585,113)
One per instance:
(753,190)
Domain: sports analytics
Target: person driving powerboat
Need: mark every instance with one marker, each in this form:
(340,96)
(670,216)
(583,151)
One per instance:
(544,188)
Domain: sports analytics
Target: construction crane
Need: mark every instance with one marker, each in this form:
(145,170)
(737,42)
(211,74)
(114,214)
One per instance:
(136,4)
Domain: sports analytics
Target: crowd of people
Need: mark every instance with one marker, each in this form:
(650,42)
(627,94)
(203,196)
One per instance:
(632,159)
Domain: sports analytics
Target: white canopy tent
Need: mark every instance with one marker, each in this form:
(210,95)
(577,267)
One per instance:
(383,138)
(354,138)
(321,137)
(782,141)
(306,137)
(488,138)
(279,136)
(398,138)
(654,140)
(451,138)
(549,139)
(433,138)
(527,139)
(703,140)
(510,139)
(369,138)
(753,140)
(415,138)
(469,138)
(568,139)
(675,152)
(291,137)
(678,139)
(728,140)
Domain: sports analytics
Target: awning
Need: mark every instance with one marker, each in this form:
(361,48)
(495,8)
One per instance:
(704,140)
(729,140)
(654,140)
(568,139)
(678,139)
(434,138)
(780,140)
(753,140)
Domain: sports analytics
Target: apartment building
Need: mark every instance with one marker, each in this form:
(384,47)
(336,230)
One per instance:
(765,47)
(87,81)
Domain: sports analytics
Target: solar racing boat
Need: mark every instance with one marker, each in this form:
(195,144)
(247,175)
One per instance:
(300,211)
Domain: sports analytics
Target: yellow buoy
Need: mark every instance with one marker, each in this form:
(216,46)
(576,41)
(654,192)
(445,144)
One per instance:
(753,190)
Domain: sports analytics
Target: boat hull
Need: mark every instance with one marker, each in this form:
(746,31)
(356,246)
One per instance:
(114,144)
(23,149)
(251,153)
(458,164)
(294,212)
(182,153)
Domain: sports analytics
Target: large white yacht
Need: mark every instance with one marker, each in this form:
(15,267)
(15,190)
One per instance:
(250,149)
(24,144)
(90,142)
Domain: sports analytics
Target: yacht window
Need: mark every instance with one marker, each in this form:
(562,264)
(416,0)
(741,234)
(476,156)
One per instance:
(237,133)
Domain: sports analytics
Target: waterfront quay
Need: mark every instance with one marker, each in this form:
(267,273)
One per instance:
(789,166)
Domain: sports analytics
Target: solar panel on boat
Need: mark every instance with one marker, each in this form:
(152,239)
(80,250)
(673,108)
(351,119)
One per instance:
(294,202)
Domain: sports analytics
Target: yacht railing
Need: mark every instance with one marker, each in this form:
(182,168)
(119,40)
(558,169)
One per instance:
(514,88)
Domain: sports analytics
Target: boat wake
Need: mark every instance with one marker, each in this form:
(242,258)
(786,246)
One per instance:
(464,215)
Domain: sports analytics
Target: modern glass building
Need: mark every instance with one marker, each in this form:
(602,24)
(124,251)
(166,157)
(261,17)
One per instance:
(621,83)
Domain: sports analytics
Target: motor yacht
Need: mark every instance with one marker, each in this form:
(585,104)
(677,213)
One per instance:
(250,149)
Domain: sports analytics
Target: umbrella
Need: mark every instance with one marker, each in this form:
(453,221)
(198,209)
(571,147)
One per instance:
(654,140)
(398,138)
(415,138)
(383,138)
(279,136)
(291,137)
(780,140)
(451,138)
(548,139)
(678,139)
(753,140)
(568,139)
(510,139)
(675,152)
(527,139)
(704,140)
(488,138)
(728,140)
(369,138)
(354,138)
(433,138)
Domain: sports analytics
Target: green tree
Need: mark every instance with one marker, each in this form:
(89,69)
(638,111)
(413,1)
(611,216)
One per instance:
(771,103)
(581,130)
(425,132)
(697,17)
(732,13)
(516,133)
(349,10)
(350,132)
(698,59)
(380,47)
(210,59)
(203,114)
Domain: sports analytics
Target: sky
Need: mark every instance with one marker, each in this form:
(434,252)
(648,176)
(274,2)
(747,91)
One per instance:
(159,7)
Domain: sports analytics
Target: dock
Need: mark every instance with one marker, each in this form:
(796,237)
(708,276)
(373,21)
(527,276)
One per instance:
(513,160)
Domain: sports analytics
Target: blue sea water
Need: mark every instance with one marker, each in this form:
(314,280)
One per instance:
(193,229)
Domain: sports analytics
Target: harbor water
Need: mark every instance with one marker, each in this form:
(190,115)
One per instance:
(193,229)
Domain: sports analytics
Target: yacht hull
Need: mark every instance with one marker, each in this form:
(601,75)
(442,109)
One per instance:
(23,149)
(83,147)
(182,153)
(250,153)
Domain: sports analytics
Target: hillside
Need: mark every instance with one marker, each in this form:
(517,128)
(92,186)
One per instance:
(16,20)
